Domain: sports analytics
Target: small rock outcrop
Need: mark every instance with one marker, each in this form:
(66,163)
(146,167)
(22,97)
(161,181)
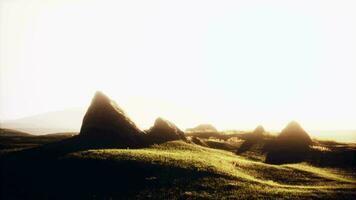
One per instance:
(106,123)
(198,141)
(290,146)
(164,131)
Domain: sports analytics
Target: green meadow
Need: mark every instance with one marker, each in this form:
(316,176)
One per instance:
(194,172)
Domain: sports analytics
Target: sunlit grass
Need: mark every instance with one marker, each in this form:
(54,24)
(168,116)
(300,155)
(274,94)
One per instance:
(323,172)
(293,178)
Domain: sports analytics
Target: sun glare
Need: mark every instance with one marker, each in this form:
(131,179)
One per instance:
(232,64)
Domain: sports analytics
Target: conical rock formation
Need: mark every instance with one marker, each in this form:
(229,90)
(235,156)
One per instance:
(105,122)
(164,131)
(259,130)
(291,145)
(294,133)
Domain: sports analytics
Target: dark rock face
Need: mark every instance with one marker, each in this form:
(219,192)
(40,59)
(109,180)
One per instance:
(203,128)
(295,135)
(251,139)
(291,145)
(164,131)
(106,123)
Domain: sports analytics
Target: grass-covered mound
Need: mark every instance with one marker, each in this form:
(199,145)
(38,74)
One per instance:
(173,170)
(175,159)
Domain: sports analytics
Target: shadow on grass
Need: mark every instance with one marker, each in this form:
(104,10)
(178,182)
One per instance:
(73,178)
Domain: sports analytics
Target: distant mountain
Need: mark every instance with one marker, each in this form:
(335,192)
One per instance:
(68,120)
(203,128)
(13,133)
(335,135)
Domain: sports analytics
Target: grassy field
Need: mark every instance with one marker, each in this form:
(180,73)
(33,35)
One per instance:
(172,170)
(224,175)
(12,140)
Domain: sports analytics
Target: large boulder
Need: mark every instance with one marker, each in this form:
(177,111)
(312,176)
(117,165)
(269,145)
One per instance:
(107,124)
(164,131)
(290,146)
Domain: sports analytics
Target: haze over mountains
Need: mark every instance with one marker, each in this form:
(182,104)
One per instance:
(68,120)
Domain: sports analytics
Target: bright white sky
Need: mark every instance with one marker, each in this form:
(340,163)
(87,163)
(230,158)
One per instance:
(235,64)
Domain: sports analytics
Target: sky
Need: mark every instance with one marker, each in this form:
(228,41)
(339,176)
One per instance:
(235,64)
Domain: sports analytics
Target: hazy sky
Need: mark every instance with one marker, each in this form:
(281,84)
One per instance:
(235,64)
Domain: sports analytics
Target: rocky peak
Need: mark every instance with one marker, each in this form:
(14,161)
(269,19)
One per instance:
(164,130)
(294,131)
(105,119)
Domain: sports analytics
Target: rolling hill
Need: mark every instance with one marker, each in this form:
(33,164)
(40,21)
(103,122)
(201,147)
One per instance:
(111,158)
(175,170)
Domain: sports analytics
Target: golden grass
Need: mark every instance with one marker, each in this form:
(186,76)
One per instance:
(274,178)
(322,172)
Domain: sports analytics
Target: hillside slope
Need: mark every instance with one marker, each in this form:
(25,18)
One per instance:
(175,170)
(237,173)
